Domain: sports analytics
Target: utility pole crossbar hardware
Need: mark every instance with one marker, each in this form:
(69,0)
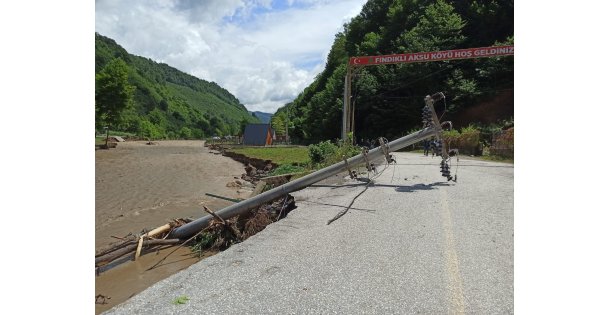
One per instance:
(433,130)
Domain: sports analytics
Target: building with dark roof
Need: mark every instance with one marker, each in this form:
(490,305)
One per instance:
(258,134)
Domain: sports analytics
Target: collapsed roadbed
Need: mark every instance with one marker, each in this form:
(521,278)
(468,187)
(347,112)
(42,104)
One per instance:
(237,222)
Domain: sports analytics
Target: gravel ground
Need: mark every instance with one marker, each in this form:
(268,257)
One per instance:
(412,243)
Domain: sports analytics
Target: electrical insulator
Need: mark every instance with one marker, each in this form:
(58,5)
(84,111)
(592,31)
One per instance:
(427,119)
(445,170)
(438,148)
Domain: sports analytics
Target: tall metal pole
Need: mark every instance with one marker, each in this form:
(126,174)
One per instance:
(352,116)
(344,105)
(194,227)
(430,100)
(287,125)
(349,99)
(346,108)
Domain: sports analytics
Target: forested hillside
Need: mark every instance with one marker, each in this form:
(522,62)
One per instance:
(263,117)
(168,103)
(389,98)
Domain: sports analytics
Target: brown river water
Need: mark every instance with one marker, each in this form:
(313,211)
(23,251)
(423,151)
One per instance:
(140,186)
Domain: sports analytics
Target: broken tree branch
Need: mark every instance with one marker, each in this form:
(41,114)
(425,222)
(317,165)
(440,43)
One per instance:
(125,250)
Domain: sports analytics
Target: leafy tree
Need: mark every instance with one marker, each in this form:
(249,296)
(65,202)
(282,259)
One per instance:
(197,134)
(203,125)
(388,98)
(149,130)
(113,93)
(185,133)
(278,123)
(218,126)
(242,126)
(439,28)
(157,117)
(370,43)
(164,105)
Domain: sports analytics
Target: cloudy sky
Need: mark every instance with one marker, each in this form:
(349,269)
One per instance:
(264,52)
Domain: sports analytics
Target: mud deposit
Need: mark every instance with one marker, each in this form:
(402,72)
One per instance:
(140,186)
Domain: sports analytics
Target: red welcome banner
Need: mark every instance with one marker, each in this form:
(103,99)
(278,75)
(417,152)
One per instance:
(433,56)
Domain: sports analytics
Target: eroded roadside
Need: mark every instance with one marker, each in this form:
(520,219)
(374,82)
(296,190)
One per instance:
(139,187)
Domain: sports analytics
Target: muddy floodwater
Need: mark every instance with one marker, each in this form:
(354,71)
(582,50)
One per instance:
(140,186)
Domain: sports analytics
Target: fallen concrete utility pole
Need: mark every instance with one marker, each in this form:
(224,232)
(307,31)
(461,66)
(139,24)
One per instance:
(434,130)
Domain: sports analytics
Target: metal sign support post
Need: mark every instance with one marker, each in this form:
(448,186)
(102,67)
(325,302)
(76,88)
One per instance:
(346,108)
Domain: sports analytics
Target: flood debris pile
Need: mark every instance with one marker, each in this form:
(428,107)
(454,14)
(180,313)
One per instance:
(132,245)
(217,236)
(254,174)
(220,234)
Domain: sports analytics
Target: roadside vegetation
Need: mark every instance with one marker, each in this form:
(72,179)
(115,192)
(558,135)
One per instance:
(389,98)
(290,159)
(301,159)
(497,158)
(493,142)
(296,155)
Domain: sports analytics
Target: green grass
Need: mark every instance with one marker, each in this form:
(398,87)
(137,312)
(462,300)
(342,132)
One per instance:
(495,158)
(180,300)
(202,242)
(278,155)
(287,169)
(100,140)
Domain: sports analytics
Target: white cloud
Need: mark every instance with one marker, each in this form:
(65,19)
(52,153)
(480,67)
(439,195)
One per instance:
(264,56)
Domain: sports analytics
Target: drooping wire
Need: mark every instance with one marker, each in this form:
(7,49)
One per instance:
(445,109)
(370,181)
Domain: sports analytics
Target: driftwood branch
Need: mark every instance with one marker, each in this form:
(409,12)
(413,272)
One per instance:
(156,231)
(126,241)
(214,215)
(125,250)
(178,247)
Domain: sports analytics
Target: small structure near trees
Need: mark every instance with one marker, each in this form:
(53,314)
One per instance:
(258,134)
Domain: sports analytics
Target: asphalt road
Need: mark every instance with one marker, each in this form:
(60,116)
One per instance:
(411,244)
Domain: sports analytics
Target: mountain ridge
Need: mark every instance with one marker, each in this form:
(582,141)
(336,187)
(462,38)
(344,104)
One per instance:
(169,103)
(263,117)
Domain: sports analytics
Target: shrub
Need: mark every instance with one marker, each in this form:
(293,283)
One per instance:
(451,138)
(345,149)
(326,153)
(318,152)
(185,133)
(202,242)
(150,130)
(469,139)
(197,134)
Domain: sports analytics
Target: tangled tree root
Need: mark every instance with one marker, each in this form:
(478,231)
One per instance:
(219,235)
